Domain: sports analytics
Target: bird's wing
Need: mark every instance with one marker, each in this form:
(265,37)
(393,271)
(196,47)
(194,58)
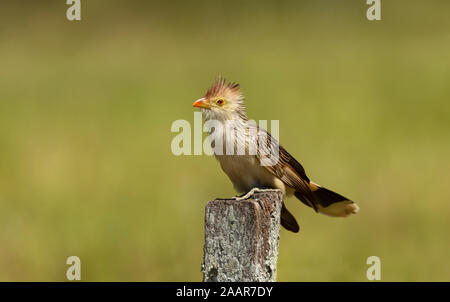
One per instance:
(286,168)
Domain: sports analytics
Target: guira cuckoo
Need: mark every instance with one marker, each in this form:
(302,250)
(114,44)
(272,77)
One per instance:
(224,103)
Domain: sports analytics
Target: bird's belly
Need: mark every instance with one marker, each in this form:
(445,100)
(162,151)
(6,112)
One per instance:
(246,173)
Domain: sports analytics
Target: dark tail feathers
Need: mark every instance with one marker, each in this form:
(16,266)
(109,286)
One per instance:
(288,221)
(328,202)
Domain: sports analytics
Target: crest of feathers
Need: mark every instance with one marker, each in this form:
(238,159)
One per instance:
(220,87)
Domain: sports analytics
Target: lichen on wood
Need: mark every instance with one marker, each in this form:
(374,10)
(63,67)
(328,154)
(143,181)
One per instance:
(241,238)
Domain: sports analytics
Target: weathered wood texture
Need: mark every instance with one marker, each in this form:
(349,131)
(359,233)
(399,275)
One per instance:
(241,238)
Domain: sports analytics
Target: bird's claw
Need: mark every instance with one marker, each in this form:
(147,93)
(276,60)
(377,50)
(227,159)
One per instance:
(250,193)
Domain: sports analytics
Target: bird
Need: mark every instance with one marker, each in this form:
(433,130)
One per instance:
(223,106)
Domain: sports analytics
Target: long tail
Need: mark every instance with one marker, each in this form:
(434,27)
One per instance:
(328,202)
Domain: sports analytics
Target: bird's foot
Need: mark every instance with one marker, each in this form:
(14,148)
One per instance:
(250,193)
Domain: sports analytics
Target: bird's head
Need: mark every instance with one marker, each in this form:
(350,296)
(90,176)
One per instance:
(222,101)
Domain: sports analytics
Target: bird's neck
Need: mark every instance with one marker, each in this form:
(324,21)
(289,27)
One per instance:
(213,114)
(229,134)
(226,123)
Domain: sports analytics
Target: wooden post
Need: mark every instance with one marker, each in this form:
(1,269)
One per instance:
(241,238)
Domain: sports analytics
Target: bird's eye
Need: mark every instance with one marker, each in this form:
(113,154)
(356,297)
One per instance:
(219,102)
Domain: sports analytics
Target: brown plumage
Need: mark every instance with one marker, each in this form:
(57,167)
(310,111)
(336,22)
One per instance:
(225,103)
(220,87)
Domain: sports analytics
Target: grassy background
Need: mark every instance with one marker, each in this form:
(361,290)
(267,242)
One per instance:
(86,108)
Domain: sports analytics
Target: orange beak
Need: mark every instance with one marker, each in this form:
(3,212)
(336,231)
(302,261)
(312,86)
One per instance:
(200,103)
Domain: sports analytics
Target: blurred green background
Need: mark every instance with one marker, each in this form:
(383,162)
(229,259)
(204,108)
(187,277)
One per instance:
(86,108)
